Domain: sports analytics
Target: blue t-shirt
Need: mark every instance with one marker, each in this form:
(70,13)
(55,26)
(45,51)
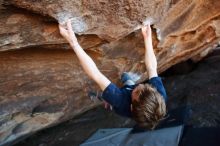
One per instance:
(120,98)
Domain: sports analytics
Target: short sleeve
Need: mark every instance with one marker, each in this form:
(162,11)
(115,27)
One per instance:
(119,98)
(113,95)
(158,84)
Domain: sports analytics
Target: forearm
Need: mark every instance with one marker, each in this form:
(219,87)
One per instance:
(89,66)
(150,58)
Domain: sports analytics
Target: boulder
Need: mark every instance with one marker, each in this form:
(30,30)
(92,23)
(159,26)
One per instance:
(41,81)
(21,29)
(109,20)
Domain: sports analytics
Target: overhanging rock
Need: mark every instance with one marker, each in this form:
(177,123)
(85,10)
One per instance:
(41,81)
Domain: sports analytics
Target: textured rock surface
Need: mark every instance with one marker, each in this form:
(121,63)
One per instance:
(190,28)
(185,29)
(43,85)
(40,88)
(20,29)
(109,20)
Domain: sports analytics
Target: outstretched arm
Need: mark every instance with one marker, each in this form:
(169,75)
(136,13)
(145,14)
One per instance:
(87,63)
(150,58)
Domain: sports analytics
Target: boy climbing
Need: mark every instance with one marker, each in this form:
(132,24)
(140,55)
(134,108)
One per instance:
(145,102)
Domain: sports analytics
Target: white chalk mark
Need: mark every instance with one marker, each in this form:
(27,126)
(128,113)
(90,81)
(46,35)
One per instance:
(78,23)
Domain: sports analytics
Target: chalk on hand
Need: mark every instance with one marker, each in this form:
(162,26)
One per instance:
(149,21)
(78,24)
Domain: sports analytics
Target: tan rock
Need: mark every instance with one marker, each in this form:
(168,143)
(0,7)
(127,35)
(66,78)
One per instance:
(42,83)
(109,20)
(19,29)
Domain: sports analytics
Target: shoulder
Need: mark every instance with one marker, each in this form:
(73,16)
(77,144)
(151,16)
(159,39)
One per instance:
(119,98)
(155,81)
(158,84)
(115,95)
(157,78)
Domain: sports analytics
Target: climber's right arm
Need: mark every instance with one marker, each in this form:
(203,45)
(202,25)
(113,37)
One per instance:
(87,63)
(150,58)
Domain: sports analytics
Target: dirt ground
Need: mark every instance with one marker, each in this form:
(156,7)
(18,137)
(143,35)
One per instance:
(195,85)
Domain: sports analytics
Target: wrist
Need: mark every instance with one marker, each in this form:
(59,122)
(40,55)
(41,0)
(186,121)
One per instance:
(73,43)
(147,38)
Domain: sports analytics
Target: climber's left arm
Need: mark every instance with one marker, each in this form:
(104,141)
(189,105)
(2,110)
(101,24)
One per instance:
(86,62)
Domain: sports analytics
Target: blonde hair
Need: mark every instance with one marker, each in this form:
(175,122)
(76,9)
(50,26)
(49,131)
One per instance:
(150,109)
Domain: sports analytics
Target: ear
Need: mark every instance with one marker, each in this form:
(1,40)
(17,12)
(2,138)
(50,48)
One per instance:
(131,107)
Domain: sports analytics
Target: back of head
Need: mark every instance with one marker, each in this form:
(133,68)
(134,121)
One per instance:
(150,108)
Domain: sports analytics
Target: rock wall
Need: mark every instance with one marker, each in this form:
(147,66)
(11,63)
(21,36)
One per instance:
(41,82)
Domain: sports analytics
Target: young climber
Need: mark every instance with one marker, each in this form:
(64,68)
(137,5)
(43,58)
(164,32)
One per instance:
(144,102)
